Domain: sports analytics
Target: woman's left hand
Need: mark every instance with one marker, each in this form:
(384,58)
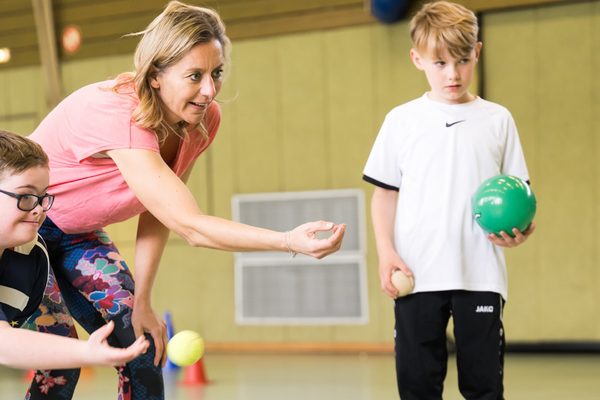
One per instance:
(143,320)
(505,240)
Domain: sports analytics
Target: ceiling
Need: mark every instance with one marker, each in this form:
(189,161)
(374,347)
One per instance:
(103,23)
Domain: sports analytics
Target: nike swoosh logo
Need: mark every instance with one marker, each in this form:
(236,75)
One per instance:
(454,123)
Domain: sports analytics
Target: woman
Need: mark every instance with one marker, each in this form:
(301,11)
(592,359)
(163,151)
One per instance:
(126,147)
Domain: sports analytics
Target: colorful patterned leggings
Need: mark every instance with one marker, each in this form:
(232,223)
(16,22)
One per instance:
(97,287)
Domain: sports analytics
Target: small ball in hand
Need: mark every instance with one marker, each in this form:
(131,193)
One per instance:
(404,284)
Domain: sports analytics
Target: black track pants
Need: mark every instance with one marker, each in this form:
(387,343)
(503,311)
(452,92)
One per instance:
(421,351)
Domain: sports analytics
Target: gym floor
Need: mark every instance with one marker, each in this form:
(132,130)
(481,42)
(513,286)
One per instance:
(344,377)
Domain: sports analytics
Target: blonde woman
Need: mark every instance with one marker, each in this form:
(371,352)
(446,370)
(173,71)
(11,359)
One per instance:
(126,147)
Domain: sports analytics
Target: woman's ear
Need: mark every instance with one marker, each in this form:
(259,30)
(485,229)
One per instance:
(154,81)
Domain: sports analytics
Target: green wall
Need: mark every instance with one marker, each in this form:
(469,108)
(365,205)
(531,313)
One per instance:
(300,112)
(543,65)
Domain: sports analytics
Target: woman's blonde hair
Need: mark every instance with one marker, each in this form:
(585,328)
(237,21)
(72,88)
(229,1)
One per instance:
(444,25)
(163,43)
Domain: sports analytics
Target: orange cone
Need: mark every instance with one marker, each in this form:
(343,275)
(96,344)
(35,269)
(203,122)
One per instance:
(194,374)
(29,375)
(86,373)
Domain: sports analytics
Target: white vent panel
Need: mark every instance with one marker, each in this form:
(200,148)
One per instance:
(272,288)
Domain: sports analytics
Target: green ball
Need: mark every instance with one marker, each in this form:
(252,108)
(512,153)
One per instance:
(185,348)
(502,203)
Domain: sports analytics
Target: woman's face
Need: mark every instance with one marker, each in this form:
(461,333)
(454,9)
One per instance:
(187,87)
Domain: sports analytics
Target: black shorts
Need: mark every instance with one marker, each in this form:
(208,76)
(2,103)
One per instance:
(421,345)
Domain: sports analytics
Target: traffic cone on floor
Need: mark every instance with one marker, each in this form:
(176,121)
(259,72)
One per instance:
(86,373)
(29,375)
(195,374)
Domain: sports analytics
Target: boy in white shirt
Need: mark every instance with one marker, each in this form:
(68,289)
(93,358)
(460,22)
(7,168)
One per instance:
(435,151)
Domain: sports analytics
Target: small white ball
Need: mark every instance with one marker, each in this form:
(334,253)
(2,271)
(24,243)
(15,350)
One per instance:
(404,284)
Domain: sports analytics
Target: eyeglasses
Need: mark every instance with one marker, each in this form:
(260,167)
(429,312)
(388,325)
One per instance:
(27,202)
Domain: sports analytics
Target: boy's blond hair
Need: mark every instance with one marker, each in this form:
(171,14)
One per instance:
(18,154)
(444,25)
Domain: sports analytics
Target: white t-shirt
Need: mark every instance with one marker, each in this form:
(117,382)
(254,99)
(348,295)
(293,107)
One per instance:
(437,155)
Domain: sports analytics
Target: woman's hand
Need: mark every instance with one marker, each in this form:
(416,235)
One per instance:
(304,239)
(143,320)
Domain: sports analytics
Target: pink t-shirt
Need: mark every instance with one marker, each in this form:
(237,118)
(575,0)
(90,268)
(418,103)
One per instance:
(90,191)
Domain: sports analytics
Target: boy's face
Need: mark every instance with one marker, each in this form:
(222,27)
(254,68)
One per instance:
(448,77)
(18,227)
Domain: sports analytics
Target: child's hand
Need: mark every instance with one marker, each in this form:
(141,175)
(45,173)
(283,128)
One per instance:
(101,353)
(386,268)
(505,240)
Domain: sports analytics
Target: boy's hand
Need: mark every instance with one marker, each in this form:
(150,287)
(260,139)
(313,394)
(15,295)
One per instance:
(386,267)
(505,240)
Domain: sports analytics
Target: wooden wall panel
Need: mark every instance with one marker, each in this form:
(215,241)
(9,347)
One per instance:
(595,182)
(351,94)
(349,66)
(103,22)
(539,64)
(17,32)
(303,110)
(566,158)
(305,147)
(323,19)
(223,152)
(265,10)
(489,5)
(256,135)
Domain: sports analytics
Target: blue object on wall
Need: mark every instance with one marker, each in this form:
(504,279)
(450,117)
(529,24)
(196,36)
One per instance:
(389,11)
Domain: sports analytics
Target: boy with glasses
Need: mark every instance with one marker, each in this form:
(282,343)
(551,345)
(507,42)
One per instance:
(29,294)
(28,202)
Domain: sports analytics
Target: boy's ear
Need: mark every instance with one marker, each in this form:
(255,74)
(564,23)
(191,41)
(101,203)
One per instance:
(478,47)
(416,59)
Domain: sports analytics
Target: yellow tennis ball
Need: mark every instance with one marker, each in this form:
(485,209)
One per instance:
(404,284)
(185,348)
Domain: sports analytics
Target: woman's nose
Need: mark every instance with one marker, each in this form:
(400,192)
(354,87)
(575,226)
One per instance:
(207,89)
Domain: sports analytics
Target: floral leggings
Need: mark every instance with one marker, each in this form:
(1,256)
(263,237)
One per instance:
(97,287)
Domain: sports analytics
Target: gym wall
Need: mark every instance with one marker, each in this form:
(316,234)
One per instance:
(301,111)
